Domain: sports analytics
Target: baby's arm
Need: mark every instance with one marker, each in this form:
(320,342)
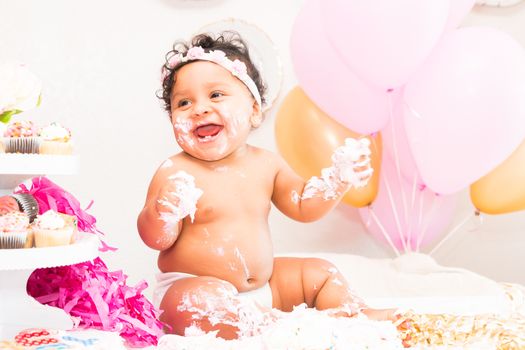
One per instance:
(171,197)
(311,200)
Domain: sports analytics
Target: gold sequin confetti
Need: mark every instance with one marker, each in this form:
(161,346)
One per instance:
(506,333)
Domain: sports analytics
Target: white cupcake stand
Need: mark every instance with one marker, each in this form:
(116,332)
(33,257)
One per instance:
(17,309)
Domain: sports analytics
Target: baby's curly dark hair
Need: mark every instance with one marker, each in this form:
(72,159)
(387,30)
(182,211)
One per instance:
(229,42)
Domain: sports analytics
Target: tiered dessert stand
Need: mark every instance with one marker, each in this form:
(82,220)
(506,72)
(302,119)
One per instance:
(17,309)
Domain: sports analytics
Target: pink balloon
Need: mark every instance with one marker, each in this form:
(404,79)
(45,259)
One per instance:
(384,41)
(458,11)
(465,109)
(328,82)
(410,216)
(395,144)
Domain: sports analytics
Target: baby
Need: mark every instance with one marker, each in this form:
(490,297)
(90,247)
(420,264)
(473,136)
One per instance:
(207,207)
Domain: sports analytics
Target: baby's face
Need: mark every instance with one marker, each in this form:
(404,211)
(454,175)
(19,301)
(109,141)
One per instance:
(212,111)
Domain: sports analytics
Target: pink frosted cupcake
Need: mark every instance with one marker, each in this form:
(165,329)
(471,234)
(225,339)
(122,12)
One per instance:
(21,137)
(55,139)
(53,229)
(14,230)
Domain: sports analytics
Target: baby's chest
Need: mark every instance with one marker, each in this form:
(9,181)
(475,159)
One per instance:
(238,192)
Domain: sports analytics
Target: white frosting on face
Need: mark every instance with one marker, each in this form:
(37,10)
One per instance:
(187,194)
(346,160)
(50,220)
(183,128)
(235,122)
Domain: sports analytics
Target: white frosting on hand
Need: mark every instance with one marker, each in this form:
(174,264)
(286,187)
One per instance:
(353,154)
(187,195)
(326,186)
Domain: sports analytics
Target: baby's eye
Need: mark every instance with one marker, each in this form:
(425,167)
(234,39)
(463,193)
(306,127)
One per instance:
(183,103)
(216,94)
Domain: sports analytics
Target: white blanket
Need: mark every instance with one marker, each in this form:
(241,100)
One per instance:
(413,281)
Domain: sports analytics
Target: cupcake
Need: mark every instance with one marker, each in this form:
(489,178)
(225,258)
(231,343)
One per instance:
(14,231)
(55,139)
(21,137)
(53,229)
(3,128)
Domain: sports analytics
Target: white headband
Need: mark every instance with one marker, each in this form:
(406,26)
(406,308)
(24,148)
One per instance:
(236,67)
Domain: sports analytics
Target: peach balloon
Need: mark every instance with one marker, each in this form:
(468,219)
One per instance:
(307,137)
(503,189)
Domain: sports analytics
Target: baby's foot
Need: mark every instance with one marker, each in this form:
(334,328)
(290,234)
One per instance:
(381,314)
(403,324)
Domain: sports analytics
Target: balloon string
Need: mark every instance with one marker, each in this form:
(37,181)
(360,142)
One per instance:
(428,219)
(396,159)
(446,238)
(383,231)
(394,212)
(420,216)
(411,222)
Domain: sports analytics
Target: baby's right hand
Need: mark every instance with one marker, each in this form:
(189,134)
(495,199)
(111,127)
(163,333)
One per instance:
(178,198)
(352,162)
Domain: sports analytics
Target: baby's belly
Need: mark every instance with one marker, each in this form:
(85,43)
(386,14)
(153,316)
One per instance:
(241,254)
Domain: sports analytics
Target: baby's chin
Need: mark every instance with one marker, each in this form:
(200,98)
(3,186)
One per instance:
(207,155)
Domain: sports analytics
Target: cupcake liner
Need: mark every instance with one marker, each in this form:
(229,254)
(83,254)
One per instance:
(22,144)
(56,147)
(51,238)
(13,240)
(28,205)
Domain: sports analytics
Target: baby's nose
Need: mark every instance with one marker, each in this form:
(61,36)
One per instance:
(201,109)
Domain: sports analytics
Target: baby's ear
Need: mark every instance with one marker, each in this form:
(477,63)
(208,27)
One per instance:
(256,118)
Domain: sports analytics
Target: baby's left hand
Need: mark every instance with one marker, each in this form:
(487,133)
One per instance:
(352,162)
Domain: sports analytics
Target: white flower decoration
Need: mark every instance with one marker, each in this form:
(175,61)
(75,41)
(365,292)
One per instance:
(20,90)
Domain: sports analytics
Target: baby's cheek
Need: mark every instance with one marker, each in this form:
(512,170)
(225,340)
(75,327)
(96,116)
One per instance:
(236,121)
(182,129)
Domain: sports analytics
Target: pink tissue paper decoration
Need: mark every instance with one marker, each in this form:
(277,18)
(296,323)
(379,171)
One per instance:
(89,292)
(100,299)
(51,196)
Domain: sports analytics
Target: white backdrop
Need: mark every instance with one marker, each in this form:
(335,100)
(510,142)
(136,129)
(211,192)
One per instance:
(99,62)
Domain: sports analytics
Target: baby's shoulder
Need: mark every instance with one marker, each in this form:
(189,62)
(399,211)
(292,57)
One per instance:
(261,152)
(267,155)
(171,165)
(270,160)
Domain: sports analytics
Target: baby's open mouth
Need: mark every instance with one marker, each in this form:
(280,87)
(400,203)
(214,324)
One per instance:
(208,131)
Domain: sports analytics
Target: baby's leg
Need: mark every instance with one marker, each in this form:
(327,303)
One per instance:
(319,284)
(208,303)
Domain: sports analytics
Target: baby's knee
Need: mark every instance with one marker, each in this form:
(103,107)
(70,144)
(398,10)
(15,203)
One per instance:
(193,301)
(318,265)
